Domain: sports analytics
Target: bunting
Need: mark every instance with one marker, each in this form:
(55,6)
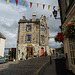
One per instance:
(30,4)
(37,4)
(47,18)
(48,7)
(7,1)
(40,24)
(44,20)
(16,2)
(23,3)
(43,6)
(53,7)
(50,15)
(58,8)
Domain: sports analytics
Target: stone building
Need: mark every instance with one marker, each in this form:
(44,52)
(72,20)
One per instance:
(67,12)
(52,51)
(2,44)
(32,37)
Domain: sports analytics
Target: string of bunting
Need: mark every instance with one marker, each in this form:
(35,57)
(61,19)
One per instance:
(37,5)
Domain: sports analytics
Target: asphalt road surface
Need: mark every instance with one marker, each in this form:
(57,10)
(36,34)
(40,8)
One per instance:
(25,67)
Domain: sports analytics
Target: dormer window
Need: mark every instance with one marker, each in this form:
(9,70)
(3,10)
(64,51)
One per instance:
(28,27)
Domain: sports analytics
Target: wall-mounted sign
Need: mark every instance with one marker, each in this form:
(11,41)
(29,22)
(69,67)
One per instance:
(29,44)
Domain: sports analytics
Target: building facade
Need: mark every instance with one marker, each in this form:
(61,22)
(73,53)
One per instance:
(32,37)
(2,44)
(52,51)
(67,12)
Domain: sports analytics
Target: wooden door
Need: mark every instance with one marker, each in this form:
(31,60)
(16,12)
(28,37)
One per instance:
(30,51)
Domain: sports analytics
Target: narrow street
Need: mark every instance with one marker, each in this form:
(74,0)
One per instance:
(26,67)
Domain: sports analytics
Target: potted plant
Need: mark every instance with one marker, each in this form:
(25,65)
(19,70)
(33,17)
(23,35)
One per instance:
(22,54)
(69,31)
(26,56)
(35,55)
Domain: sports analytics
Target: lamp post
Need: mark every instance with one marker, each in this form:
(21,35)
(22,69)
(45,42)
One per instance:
(55,14)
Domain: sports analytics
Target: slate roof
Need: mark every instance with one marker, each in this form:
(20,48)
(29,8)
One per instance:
(2,36)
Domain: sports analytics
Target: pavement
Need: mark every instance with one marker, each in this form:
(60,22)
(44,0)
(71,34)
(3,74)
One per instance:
(50,69)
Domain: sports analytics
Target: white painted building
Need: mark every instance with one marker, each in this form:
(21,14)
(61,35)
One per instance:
(2,44)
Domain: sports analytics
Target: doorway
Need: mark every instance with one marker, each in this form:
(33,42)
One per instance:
(29,51)
(42,51)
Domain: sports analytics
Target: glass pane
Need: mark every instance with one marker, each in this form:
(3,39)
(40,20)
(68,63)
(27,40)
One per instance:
(28,27)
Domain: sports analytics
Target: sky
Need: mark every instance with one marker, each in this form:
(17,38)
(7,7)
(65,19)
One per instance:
(10,15)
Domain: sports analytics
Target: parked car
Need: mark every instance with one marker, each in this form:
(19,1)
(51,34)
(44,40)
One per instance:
(3,59)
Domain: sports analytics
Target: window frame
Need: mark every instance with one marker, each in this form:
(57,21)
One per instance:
(42,27)
(27,27)
(26,38)
(72,51)
(42,38)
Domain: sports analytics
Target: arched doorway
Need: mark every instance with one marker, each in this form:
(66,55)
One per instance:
(42,51)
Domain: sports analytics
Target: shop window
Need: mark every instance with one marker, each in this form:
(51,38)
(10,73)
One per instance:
(72,51)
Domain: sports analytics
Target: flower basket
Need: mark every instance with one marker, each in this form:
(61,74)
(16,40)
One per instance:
(69,31)
(59,37)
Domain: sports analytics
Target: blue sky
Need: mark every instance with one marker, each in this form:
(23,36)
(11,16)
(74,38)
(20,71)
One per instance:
(10,15)
(20,2)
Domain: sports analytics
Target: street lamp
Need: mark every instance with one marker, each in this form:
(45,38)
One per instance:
(55,14)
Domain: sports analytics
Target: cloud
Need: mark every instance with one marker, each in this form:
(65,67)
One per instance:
(53,44)
(10,15)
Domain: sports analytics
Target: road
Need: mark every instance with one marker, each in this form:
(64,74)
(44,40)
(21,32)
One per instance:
(25,67)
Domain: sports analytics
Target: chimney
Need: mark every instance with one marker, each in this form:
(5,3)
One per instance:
(34,16)
(24,17)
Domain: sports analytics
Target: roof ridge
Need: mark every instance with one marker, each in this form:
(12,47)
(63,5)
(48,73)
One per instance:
(2,36)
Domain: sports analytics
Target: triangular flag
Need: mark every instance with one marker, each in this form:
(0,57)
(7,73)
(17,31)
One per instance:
(58,8)
(48,7)
(16,2)
(53,7)
(43,6)
(23,3)
(7,1)
(40,24)
(44,20)
(37,4)
(50,15)
(30,4)
(47,18)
